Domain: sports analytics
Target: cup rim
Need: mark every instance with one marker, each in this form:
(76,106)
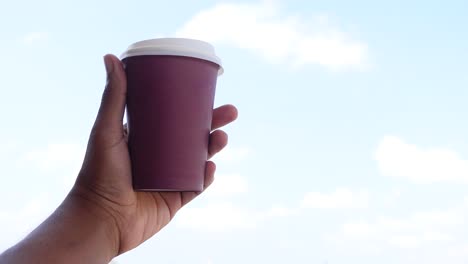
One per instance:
(174,47)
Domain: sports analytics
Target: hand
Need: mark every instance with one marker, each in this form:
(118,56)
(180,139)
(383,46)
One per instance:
(105,180)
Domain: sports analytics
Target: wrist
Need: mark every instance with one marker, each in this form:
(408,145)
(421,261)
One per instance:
(99,216)
(79,231)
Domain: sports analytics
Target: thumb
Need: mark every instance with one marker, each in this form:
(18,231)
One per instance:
(112,109)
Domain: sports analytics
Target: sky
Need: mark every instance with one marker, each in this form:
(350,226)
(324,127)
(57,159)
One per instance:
(351,144)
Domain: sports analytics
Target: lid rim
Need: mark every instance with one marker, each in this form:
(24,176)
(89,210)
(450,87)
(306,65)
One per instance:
(174,47)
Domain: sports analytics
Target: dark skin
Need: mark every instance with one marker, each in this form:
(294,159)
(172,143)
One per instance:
(102,216)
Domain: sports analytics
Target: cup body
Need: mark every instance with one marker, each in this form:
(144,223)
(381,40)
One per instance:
(169,111)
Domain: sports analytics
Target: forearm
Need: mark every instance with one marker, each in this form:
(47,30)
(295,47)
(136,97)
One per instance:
(74,233)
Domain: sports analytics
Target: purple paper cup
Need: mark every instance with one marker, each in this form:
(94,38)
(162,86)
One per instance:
(171,85)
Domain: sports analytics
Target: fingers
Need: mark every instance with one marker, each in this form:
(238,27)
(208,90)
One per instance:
(209,174)
(112,107)
(223,115)
(210,169)
(218,140)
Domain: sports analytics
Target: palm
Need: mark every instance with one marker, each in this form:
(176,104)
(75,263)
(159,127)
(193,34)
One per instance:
(140,214)
(105,178)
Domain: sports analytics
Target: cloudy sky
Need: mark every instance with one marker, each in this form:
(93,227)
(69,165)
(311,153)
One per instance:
(352,141)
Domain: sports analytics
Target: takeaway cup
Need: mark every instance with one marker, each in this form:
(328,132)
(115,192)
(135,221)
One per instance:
(171,86)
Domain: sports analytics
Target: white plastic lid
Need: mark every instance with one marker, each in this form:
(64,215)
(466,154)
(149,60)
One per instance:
(174,47)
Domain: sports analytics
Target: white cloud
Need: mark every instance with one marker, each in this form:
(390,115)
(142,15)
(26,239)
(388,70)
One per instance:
(341,198)
(226,216)
(458,251)
(392,198)
(397,158)
(9,149)
(34,37)
(413,231)
(436,236)
(262,29)
(281,211)
(216,217)
(57,156)
(232,154)
(62,159)
(358,230)
(228,184)
(17,224)
(405,241)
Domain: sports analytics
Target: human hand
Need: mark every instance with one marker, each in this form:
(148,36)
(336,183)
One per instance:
(105,180)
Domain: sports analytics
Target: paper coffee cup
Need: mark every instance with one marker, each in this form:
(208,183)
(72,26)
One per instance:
(171,85)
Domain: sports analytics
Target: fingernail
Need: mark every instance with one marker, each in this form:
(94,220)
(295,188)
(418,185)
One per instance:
(108,64)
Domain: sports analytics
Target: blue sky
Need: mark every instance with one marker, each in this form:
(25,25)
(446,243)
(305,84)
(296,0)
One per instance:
(351,145)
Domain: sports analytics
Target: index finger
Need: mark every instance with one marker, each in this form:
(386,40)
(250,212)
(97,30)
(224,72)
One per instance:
(223,115)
